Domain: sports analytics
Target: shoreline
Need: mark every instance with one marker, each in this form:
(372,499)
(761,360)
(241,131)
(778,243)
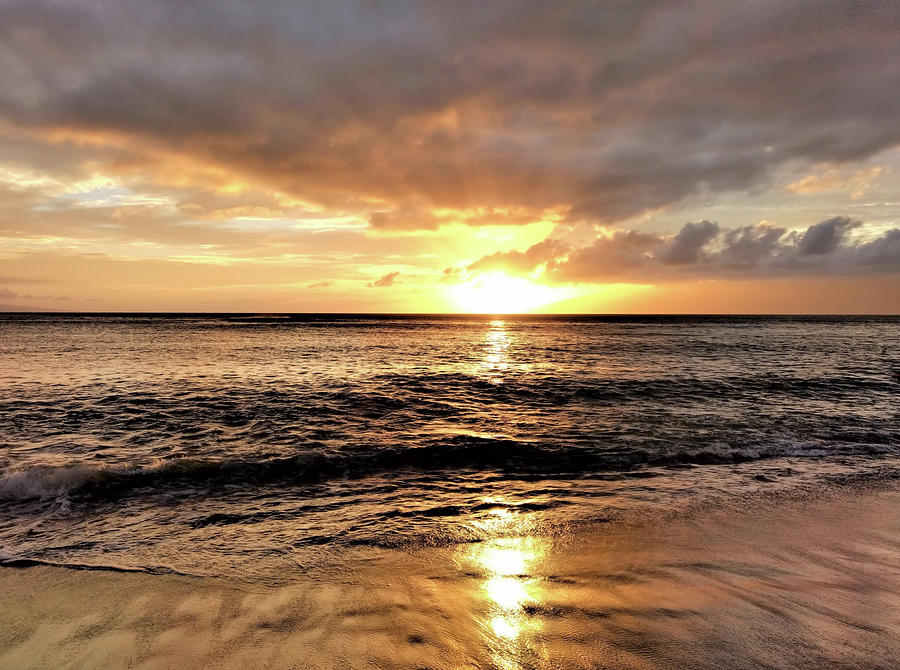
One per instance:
(465,513)
(782,583)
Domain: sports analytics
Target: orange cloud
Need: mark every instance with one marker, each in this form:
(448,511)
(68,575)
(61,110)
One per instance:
(858,182)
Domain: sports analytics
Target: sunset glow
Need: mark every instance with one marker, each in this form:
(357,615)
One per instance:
(326,157)
(430,334)
(498,293)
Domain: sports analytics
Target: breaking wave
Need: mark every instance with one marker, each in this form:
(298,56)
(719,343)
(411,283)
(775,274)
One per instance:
(459,452)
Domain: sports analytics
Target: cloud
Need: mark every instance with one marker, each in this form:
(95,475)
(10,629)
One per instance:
(833,179)
(418,216)
(686,246)
(319,284)
(519,261)
(826,236)
(705,250)
(745,247)
(407,217)
(22,280)
(385,281)
(390,111)
(7,293)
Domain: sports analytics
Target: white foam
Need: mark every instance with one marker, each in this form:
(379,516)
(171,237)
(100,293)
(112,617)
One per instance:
(45,482)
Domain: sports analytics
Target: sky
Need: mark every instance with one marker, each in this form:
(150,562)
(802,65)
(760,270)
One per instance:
(428,156)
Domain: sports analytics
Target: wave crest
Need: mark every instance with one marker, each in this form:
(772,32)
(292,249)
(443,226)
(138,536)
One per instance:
(512,458)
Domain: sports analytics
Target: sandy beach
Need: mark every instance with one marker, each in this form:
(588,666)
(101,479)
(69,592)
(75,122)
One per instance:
(806,583)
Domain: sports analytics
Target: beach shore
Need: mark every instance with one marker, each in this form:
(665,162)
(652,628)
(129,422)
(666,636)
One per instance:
(777,583)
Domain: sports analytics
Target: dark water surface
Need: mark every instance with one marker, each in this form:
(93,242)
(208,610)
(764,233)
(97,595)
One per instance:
(239,445)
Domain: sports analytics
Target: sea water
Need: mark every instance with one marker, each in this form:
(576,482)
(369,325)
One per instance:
(261,446)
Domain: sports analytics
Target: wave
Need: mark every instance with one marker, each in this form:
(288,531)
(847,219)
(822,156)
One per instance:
(422,394)
(551,389)
(511,458)
(14,562)
(45,482)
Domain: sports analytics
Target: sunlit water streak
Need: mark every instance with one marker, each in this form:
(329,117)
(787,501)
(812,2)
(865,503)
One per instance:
(261,446)
(496,346)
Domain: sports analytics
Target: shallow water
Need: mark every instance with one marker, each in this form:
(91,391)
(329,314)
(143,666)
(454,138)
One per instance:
(772,581)
(255,447)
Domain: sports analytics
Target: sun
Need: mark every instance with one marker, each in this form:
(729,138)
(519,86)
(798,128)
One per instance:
(498,293)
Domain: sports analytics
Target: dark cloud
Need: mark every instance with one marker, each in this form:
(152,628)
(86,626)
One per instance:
(881,252)
(606,109)
(825,236)
(704,250)
(746,246)
(6,293)
(385,281)
(686,247)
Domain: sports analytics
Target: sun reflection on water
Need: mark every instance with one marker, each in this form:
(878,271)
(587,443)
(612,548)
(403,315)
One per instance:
(509,587)
(506,556)
(507,592)
(496,357)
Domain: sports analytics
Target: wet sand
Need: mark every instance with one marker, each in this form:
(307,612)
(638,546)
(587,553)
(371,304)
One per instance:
(771,583)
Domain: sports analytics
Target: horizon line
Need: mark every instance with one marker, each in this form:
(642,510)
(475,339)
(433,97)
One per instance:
(32,312)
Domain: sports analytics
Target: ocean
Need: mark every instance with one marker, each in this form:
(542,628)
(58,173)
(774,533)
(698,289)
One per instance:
(264,447)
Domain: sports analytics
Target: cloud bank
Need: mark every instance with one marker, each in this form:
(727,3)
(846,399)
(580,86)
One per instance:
(392,109)
(705,250)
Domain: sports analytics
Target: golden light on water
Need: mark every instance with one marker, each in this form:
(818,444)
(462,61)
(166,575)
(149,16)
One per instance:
(506,556)
(508,592)
(508,585)
(505,561)
(496,356)
(502,627)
